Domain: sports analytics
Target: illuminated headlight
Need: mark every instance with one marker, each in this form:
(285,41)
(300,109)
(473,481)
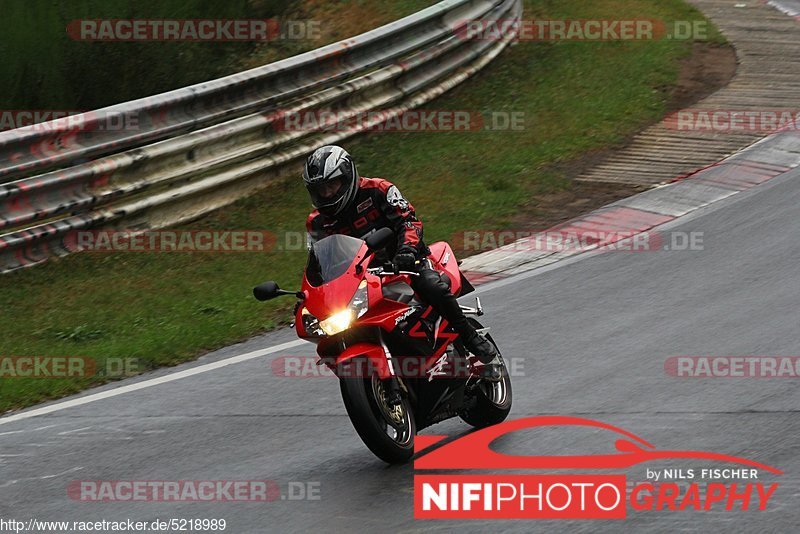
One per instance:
(338,322)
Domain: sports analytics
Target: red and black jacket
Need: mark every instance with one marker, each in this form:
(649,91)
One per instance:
(378,204)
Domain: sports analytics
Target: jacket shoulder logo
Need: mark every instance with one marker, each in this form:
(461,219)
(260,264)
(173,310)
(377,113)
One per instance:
(396,199)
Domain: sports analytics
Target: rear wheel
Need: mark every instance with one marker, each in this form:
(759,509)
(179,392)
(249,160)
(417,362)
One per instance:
(490,402)
(388,431)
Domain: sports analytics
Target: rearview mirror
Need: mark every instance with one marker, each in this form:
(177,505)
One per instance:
(270,290)
(266,291)
(379,239)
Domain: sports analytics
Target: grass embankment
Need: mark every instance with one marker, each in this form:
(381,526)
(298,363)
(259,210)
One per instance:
(163,309)
(47,68)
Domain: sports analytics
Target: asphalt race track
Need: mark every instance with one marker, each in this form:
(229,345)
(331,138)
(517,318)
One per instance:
(591,334)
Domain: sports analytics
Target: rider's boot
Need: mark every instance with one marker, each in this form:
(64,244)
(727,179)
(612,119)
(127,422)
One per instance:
(486,352)
(474,342)
(433,289)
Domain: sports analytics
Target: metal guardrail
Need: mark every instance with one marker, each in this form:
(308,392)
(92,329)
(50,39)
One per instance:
(202,147)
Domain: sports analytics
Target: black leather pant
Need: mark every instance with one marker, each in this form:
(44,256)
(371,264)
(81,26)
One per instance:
(434,290)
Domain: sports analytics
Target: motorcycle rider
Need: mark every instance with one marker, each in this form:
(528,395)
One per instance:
(352,205)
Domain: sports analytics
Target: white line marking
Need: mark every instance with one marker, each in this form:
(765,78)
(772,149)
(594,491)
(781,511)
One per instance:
(80,401)
(72,431)
(46,477)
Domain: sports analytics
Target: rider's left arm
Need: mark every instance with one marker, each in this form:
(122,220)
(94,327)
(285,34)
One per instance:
(404,220)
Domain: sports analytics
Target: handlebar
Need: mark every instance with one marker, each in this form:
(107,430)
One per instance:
(390,269)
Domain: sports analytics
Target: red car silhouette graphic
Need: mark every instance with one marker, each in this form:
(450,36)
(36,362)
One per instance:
(473,451)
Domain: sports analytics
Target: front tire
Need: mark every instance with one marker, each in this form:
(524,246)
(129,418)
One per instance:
(387,431)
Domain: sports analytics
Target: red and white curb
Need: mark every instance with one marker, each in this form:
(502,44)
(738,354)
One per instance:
(767,159)
(790,7)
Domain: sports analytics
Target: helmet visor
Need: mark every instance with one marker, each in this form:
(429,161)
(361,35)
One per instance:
(328,192)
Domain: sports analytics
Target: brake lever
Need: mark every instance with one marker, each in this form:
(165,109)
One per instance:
(390,269)
(397,273)
(409,273)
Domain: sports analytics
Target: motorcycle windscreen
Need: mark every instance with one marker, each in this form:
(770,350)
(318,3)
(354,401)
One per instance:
(330,258)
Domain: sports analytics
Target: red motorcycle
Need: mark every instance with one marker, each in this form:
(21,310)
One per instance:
(401,368)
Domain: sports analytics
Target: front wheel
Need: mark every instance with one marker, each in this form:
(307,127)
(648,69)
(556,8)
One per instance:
(388,431)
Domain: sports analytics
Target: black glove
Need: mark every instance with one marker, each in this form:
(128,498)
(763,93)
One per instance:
(405,259)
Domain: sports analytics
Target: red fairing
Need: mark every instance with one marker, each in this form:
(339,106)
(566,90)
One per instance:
(374,354)
(445,261)
(335,296)
(327,299)
(382,312)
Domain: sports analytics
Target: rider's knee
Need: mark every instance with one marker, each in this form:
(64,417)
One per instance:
(432,284)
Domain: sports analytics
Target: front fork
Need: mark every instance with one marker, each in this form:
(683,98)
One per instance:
(393,385)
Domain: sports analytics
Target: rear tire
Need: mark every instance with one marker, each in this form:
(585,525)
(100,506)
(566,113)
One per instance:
(493,399)
(388,433)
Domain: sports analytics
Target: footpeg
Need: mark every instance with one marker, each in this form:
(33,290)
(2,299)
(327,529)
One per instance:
(492,371)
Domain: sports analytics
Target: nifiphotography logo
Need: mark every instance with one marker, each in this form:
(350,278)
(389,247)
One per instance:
(577,496)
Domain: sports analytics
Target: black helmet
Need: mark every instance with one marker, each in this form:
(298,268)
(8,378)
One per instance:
(331,179)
